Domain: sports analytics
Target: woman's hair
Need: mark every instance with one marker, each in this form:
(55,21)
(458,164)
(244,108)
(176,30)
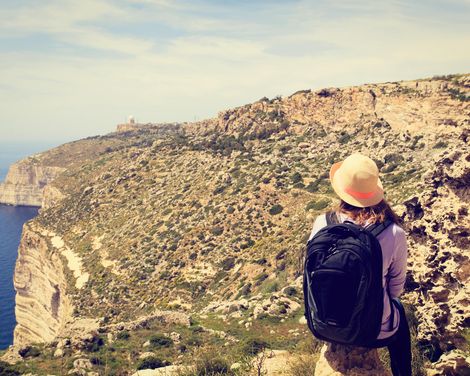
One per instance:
(372,214)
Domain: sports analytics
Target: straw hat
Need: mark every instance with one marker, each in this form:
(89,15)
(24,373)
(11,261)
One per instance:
(356,181)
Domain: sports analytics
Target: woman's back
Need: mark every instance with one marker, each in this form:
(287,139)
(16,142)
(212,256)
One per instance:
(356,182)
(394,254)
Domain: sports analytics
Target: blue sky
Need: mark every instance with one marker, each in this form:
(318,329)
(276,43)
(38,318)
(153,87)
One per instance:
(72,69)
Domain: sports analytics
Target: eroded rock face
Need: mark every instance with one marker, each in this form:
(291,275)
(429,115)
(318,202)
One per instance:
(439,228)
(42,305)
(338,360)
(405,106)
(25,183)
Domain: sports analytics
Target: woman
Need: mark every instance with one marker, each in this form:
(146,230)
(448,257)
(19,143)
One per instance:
(356,182)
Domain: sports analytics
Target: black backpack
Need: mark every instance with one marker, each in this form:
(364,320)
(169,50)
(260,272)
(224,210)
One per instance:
(343,290)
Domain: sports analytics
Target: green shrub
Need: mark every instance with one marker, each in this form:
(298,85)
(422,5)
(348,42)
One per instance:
(253,346)
(228,263)
(246,290)
(124,335)
(260,278)
(344,138)
(152,362)
(313,186)
(212,366)
(159,340)
(29,352)
(95,344)
(296,177)
(457,94)
(302,365)
(290,291)
(271,287)
(284,125)
(276,209)
(317,205)
(393,158)
(217,230)
(389,168)
(7,370)
(378,162)
(193,341)
(218,190)
(247,243)
(440,145)
(197,329)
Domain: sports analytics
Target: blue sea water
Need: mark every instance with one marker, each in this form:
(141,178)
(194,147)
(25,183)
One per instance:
(11,225)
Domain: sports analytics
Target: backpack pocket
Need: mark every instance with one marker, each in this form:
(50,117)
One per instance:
(335,295)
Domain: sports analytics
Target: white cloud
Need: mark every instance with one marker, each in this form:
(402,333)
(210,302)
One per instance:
(213,61)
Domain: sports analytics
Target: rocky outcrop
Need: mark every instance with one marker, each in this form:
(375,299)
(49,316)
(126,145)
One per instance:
(42,305)
(439,279)
(404,106)
(25,182)
(338,360)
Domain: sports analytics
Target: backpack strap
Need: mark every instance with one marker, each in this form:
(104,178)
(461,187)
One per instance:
(392,310)
(378,228)
(331,218)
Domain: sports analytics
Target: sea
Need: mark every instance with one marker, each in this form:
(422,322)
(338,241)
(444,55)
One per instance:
(11,224)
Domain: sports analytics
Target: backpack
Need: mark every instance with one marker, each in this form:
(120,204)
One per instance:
(342,284)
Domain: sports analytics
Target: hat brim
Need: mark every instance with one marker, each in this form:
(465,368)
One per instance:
(338,187)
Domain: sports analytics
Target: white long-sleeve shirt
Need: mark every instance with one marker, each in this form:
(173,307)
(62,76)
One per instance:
(394,256)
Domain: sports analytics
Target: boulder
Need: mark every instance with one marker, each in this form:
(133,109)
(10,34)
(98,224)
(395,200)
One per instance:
(453,363)
(338,360)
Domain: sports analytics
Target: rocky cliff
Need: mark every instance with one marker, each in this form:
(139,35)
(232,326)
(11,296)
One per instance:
(439,279)
(424,106)
(25,182)
(28,178)
(210,221)
(42,304)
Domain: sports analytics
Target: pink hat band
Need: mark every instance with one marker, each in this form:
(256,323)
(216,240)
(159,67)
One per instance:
(358,194)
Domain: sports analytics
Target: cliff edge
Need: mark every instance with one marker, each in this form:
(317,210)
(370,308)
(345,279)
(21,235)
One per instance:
(25,182)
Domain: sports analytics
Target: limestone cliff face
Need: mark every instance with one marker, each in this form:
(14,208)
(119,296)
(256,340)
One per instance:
(42,306)
(427,106)
(439,241)
(25,183)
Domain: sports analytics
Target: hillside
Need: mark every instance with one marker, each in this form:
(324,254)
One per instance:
(198,230)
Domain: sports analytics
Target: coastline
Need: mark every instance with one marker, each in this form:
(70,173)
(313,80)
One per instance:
(12,220)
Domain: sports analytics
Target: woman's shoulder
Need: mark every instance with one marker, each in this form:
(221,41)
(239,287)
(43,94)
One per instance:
(320,220)
(394,233)
(397,230)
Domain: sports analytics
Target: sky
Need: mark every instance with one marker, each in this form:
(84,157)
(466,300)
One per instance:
(72,69)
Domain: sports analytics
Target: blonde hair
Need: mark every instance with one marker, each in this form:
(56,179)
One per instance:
(372,214)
